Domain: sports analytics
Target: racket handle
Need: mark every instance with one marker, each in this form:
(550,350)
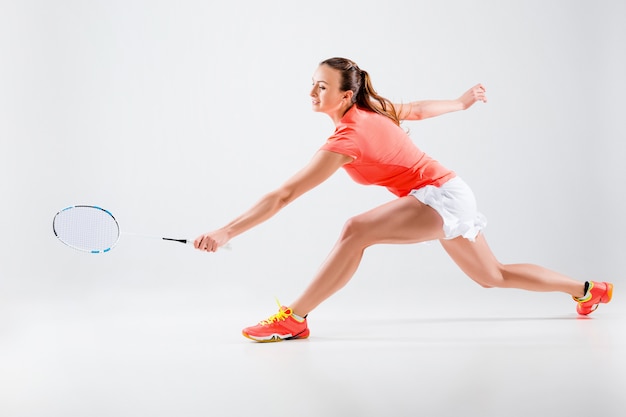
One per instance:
(186,241)
(190,242)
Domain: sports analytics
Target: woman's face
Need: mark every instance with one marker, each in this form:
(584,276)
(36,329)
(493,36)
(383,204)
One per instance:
(326,96)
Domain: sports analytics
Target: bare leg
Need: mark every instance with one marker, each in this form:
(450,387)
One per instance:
(480,264)
(405,220)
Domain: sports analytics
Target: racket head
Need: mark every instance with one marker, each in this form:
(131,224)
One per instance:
(86,228)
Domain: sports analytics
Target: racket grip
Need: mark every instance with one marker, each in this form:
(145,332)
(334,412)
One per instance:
(190,242)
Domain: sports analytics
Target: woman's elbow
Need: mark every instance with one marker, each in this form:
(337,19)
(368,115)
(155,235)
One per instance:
(281,197)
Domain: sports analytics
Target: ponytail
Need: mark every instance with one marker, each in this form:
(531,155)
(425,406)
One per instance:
(369,99)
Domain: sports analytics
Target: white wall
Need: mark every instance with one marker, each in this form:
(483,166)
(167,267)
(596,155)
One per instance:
(177,115)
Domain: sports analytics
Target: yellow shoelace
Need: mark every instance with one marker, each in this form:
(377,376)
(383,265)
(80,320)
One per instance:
(280,316)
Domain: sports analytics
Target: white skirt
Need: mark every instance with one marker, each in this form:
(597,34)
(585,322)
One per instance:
(456,204)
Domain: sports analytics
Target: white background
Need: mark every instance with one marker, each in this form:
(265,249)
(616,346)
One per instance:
(178,115)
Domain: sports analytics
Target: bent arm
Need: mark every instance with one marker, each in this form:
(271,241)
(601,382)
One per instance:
(321,167)
(419,110)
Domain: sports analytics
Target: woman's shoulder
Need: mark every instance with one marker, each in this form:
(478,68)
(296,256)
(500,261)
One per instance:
(356,115)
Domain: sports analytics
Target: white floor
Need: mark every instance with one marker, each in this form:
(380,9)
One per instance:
(163,356)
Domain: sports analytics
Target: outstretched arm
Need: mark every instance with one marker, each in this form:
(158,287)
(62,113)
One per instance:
(418,110)
(321,167)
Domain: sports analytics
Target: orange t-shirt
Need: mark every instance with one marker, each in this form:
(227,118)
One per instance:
(384,154)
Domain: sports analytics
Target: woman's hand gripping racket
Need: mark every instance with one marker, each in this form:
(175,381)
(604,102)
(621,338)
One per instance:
(93,229)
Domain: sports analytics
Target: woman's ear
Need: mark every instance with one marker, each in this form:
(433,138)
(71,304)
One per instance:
(348,95)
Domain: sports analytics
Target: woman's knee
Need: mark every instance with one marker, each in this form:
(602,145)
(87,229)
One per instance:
(355,228)
(493,278)
(352,227)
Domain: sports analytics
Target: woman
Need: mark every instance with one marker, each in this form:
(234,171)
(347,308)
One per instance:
(433,203)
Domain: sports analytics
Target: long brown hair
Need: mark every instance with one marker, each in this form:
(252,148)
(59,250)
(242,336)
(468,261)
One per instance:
(358,81)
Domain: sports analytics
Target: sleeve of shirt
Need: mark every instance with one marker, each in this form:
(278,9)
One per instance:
(340,142)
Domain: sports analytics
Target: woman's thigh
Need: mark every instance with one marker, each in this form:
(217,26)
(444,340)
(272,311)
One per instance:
(404,220)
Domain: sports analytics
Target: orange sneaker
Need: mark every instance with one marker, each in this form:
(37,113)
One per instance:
(281,326)
(598,292)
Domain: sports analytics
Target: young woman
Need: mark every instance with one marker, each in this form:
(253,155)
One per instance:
(432,202)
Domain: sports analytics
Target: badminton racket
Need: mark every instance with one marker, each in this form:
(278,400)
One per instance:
(94,229)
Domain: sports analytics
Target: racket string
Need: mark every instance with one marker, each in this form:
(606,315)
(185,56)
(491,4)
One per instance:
(87,228)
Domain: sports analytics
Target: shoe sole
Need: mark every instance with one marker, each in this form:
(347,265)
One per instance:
(278,338)
(609,293)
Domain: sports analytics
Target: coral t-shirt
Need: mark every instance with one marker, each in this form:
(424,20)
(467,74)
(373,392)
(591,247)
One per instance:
(384,154)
